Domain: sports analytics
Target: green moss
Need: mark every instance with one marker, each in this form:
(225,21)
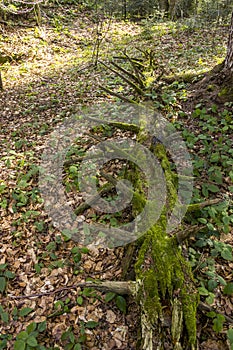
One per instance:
(160,266)
(193,207)
(211,87)
(223,92)
(189,77)
(189,303)
(168,273)
(160,153)
(226,93)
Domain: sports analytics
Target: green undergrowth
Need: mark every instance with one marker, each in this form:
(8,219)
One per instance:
(182,51)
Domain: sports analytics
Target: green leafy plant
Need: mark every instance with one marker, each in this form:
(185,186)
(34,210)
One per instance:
(205,269)
(218,321)
(119,300)
(228,289)
(5,276)
(4,315)
(72,342)
(60,307)
(3,340)
(28,339)
(230,337)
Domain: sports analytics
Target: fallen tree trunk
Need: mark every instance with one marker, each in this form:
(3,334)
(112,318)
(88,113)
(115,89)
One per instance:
(163,283)
(165,286)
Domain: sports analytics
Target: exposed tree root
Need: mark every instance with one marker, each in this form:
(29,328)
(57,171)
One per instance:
(215,87)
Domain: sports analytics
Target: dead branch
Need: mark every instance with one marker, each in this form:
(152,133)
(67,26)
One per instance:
(84,206)
(198,206)
(134,86)
(204,307)
(120,125)
(118,287)
(134,63)
(137,78)
(121,97)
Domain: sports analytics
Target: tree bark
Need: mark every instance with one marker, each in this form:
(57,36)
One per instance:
(228,63)
(217,85)
(1,85)
(164,5)
(180,8)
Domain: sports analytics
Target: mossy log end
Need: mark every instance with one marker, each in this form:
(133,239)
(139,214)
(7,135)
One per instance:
(165,283)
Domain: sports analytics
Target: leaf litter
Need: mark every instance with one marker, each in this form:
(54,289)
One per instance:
(47,80)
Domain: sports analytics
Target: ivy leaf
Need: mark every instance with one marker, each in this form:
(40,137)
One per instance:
(73,169)
(22,335)
(19,345)
(91,324)
(218,323)
(211,314)
(25,311)
(230,336)
(4,316)
(215,157)
(2,267)
(203,291)
(210,298)
(221,280)
(212,284)
(202,220)
(80,300)
(84,250)
(121,303)
(109,296)
(2,284)
(42,326)
(9,274)
(31,327)
(228,289)
(31,341)
(226,253)
(213,188)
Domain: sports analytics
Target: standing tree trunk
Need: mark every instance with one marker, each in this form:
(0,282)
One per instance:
(217,85)
(164,6)
(225,74)
(228,63)
(1,85)
(180,8)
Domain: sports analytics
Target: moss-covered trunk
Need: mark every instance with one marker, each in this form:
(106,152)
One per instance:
(165,288)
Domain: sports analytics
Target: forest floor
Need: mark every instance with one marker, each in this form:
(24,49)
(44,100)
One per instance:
(48,75)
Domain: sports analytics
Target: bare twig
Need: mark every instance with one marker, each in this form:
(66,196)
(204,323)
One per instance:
(134,86)
(84,206)
(205,307)
(137,79)
(1,85)
(123,98)
(134,65)
(198,206)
